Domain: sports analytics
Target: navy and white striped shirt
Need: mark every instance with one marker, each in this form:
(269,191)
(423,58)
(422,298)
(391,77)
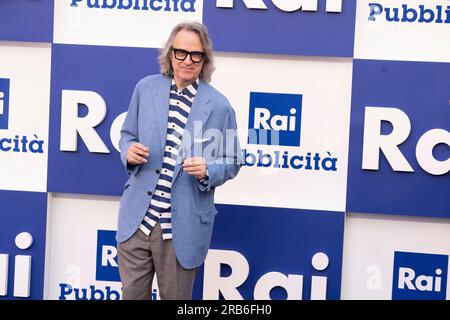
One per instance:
(180,104)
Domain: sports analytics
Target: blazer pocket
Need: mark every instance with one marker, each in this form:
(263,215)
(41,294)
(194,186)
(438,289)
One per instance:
(207,215)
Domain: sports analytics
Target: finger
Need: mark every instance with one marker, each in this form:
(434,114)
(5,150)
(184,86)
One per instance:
(140,146)
(194,165)
(194,173)
(133,162)
(138,159)
(140,152)
(194,168)
(194,161)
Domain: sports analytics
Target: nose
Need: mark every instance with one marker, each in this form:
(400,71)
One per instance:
(188,60)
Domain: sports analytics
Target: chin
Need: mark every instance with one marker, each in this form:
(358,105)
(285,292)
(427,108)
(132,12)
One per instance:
(188,79)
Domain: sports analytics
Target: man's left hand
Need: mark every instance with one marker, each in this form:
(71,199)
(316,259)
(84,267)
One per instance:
(196,167)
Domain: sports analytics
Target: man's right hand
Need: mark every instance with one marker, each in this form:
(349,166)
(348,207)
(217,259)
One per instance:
(137,154)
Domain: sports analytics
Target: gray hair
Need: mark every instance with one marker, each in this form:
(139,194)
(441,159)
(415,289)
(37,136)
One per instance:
(208,62)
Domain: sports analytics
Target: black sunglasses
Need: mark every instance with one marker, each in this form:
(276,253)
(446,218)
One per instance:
(196,56)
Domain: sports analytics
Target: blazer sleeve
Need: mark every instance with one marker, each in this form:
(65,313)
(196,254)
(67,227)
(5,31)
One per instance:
(230,157)
(129,132)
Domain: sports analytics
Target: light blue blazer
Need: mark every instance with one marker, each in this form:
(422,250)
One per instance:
(192,205)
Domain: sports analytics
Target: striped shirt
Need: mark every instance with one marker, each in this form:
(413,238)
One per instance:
(180,104)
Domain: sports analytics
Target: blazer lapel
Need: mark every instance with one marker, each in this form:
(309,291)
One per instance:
(161,96)
(199,114)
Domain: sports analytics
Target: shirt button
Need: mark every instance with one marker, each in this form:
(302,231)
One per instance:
(149,193)
(157,171)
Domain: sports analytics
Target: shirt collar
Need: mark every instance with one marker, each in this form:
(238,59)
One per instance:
(189,90)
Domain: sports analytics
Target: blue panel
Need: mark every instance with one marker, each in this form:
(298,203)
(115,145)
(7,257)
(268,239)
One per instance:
(23,212)
(106,267)
(280,240)
(278,116)
(419,276)
(422,91)
(26,20)
(112,72)
(275,31)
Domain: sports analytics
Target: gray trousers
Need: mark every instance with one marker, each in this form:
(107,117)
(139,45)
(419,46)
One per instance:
(141,256)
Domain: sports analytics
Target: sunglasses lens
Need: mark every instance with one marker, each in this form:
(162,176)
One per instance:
(180,54)
(197,56)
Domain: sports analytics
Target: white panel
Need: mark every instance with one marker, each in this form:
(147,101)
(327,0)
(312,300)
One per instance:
(119,27)
(369,245)
(27,65)
(75,220)
(325,85)
(377,38)
(72,243)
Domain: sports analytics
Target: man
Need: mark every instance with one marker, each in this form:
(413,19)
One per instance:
(177,144)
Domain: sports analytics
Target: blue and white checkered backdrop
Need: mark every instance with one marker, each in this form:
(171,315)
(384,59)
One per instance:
(352,203)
